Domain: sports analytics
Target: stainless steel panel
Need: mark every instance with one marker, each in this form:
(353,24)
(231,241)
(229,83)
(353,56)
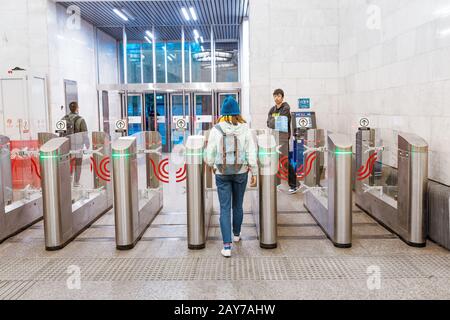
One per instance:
(333,209)
(413,164)
(267,183)
(63,220)
(406,217)
(340,189)
(195,193)
(56,190)
(439,213)
(132,215)
(44,137)
(126,201)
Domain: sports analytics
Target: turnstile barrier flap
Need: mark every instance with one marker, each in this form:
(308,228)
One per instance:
(153,140)
(315,137)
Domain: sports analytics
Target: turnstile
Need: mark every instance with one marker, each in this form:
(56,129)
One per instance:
(138,194)
(19,209)
(69,211)
(199,197)
(399,206)
(330,206)
(264,201)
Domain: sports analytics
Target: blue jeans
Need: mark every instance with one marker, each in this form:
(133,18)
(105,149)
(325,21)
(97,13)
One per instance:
(231,190)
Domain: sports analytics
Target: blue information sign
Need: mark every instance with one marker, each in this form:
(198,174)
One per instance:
(304,103)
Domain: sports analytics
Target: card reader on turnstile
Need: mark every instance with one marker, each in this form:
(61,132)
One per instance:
(301,122)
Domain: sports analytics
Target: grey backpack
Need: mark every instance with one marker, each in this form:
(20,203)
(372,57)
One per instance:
(231,156)
(71,120)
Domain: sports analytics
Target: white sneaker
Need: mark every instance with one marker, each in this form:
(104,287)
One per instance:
(226,253)
(236,238)
(294,190)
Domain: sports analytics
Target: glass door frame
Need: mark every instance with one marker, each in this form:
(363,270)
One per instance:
(155,93)
(187,108)
(125,114)
(195,94)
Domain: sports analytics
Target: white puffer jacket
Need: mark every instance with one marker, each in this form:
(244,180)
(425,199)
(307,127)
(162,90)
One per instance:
(245,139)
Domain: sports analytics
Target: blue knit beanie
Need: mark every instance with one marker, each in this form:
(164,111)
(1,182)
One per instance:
(230,107)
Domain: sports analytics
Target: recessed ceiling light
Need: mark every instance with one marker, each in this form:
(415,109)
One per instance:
(120,14)
(185,14)
(201,39)
(148,40)
(149,34)
(193,13)
(196,34)
(127,13)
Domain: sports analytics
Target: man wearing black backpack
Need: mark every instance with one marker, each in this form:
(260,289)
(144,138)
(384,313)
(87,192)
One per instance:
(279,119)
(78,133)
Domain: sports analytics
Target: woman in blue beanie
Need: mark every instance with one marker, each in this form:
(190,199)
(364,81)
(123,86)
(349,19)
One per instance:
(231,152)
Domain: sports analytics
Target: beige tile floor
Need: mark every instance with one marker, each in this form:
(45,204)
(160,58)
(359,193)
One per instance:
(305,265)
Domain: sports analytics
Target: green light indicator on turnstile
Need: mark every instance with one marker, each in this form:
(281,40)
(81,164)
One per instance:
(194,154)
(121,155)
(267,153)
(48,157)
(343,152)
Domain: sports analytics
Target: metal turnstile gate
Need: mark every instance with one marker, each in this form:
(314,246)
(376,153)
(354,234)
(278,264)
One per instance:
(18,212)
(331,206)
(264,202)
(399,206)
(138,194)
(69,211)
(199,197)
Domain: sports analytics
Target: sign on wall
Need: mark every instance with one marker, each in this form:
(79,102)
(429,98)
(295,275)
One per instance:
(304,103)
(364,122)
(121,126)
(61,126)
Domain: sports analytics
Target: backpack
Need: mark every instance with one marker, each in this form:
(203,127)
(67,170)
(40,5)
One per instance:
(231,156)
(71,120)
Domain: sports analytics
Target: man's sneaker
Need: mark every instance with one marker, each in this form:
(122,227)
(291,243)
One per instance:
(236,238)
(226,252)
(294,190)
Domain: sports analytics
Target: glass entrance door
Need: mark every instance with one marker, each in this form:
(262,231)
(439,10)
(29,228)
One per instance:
(134,113)
(203,113)
(157,121)
(180,118)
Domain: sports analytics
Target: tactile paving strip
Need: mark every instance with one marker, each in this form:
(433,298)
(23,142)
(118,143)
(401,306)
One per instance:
(11,290)
(217,268)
